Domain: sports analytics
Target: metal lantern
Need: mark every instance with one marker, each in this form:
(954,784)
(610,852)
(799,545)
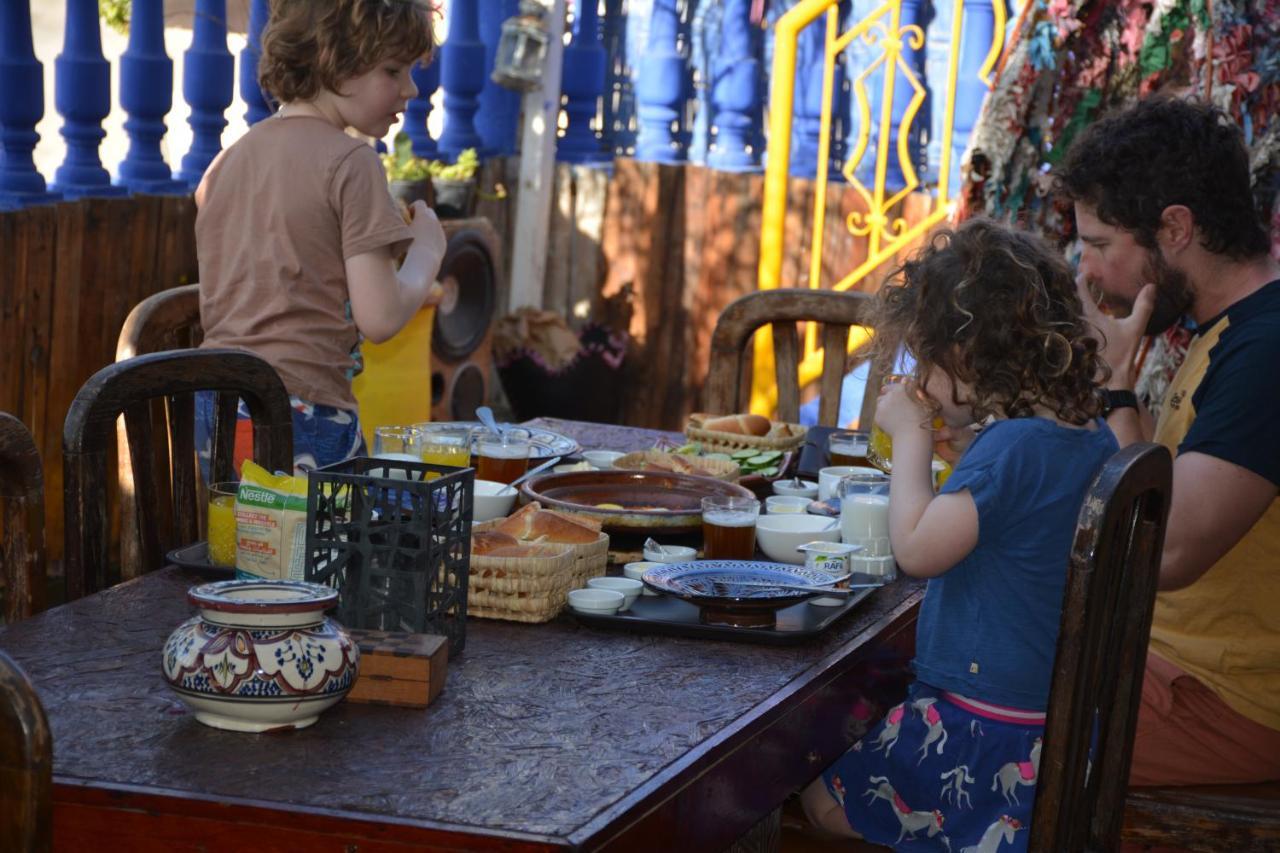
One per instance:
(522,48)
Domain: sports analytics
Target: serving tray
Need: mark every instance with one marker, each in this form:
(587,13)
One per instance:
(672,617)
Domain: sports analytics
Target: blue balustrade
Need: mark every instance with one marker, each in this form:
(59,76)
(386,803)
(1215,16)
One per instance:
(617,133)
(416,113)
(661,90)
(250,89)
(806,126)
(498,117)
(82,95)
(971,90)
(736,91)
(208,83)
(146,93)
(21,108)
(582,83)
(462,74)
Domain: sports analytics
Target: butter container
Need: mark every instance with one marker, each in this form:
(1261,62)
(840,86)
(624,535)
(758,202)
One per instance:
(831,558)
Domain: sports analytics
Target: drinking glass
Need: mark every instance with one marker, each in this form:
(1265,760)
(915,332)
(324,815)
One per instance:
(221,532)
(880,443)
(848,447)
(504,456)
(396,442)
(729,527)
(449,446)
(864,508)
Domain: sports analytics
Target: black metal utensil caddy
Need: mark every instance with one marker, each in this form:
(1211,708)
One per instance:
(397,546)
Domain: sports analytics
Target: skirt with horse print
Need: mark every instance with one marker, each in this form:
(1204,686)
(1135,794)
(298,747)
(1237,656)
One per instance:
(942,772)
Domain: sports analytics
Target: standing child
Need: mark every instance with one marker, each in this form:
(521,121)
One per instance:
(297,232)
(992,319)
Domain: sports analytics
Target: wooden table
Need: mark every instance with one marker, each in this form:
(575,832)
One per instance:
(546,737)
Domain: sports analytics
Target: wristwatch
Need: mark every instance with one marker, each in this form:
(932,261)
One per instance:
(1115,398)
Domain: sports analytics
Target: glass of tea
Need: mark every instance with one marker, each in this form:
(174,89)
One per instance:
(502,456)
(729,527)
(848,447)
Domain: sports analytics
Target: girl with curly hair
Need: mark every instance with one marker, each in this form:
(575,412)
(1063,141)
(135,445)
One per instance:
(297,233)
(992,319)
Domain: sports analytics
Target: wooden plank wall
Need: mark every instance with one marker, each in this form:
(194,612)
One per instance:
(69,275)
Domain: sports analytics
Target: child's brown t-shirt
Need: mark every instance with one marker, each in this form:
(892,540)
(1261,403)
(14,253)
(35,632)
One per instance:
(280,212)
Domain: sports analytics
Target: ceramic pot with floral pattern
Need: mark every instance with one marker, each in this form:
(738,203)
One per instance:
(261,656)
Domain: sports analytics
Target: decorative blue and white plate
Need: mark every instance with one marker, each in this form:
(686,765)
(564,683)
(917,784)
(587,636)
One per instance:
(544,442)
(734,583)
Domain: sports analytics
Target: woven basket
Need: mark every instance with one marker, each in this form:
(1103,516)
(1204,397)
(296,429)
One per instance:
(531,589)
(660,460)
(782,436)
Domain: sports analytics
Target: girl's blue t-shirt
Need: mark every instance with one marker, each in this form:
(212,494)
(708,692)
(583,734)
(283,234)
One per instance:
(988,626)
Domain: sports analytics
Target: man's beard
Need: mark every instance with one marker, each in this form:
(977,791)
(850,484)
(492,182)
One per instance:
(1173,292)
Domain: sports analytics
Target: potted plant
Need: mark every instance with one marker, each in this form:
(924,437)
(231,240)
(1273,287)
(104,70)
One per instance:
(455,184)
(409,176)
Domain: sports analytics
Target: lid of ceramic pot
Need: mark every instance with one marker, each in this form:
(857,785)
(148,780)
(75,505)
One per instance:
(262,596)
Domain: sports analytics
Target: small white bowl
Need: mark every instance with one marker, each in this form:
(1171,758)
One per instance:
(627,586)
(573,466)
(636,571)
(602,459)
(830,476)
(780,535)
(671,554)
(599,601)
(492,500)
(780,504)
(806,489)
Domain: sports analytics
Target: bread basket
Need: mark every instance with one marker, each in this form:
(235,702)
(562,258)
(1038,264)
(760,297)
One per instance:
(781,436)
(679,463)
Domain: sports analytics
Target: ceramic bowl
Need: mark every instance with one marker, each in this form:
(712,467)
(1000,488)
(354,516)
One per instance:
(602,459)
(492,500)
(781,504)
(806,489)
(780,535)
(830,476)
(636,571)
(602,602)
(629,587)
(671,554)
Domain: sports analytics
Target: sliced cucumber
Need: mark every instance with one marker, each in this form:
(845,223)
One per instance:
(771,471)
(762,459)
(742,454)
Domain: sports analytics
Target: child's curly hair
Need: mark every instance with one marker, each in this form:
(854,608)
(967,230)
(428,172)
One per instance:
(996,309)
(310,45)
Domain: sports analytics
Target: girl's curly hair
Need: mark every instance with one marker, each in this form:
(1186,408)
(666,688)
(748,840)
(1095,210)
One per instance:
(310,45)
(996,309)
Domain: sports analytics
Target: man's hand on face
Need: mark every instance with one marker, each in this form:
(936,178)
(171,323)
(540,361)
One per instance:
(1121,336)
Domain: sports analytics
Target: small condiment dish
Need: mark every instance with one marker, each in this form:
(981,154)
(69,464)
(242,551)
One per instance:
(492,500)
(636,571)
(805,488)
(780,504)
(828,477)
(629,587)
(602,602)
(671,554)
(602,459)
(566,467)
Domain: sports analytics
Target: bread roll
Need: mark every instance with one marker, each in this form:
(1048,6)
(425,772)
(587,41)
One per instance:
(550,527)
(739,424)
(577,518)
(517,524)
(488,541)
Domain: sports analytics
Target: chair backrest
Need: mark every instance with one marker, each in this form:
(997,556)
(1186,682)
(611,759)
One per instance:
(22,489)
(835,311)
(1101,655)
(127,387)
(26,764)
(166,320)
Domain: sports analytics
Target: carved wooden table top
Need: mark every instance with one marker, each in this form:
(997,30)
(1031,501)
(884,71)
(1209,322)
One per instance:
(546,736)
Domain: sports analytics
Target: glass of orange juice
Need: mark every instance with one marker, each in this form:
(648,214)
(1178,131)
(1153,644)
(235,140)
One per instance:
(449,446)
(880,444)
(221,533)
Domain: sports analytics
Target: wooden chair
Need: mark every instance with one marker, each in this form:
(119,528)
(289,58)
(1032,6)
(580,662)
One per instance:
(22,488)
(127,388)
(1102,650)
(26,764)
(782,309)
(1205,818)
(167,320)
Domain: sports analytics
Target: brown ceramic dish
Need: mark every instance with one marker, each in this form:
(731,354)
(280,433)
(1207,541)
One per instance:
(651,502)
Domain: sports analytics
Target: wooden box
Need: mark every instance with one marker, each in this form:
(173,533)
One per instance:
(398,668)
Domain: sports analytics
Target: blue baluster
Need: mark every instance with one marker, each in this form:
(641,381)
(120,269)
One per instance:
(736,91)
(806,127)
(21,108)
(208,83)
(146,93)
(971,90)
(250,91)
(660,89)
(427,79)
(462,73)
(499,113)
(617,135)
(82,94)
(582,83)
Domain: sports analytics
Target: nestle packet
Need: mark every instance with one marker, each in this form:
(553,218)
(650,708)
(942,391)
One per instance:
(271,524)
